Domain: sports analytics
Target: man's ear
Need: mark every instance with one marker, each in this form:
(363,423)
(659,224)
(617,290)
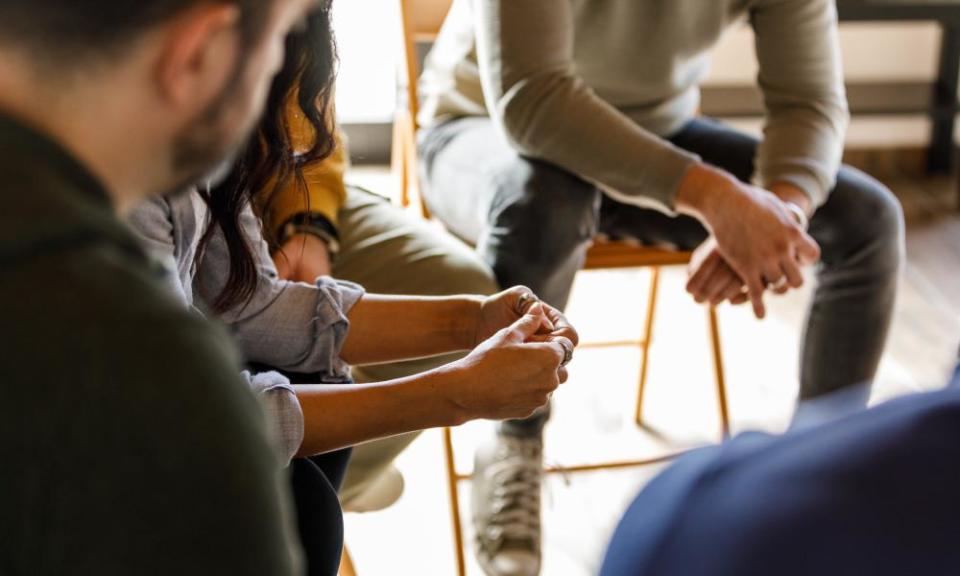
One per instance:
(199,53)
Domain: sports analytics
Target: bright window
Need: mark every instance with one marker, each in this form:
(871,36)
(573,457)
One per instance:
(368,36)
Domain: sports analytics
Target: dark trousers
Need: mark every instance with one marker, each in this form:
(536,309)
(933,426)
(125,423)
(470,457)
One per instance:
(533,223)
(315,484)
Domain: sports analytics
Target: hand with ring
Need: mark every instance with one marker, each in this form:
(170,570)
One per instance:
(713,280)
(501,310)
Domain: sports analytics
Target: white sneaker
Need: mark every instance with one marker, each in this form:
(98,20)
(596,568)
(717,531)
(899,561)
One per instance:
(382,493)
(506,506)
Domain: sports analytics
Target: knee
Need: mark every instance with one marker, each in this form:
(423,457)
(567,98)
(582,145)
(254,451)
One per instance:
(447,268)
(537,196)
(871,221)
(468,274)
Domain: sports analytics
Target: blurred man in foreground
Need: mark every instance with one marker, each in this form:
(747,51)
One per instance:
(130,444)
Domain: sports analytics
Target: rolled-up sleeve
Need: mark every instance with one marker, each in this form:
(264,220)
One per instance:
(291,326)
(299,327)
(279,401)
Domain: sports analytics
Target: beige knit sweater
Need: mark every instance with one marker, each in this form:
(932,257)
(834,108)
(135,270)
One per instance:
(594,85)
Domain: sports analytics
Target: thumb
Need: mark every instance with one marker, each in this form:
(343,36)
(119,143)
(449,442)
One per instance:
(527,325)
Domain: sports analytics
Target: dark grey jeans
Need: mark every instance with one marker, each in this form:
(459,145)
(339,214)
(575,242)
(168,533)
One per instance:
(533,222)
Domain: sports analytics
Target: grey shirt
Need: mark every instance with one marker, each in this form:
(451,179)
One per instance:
(594,85)
(291,326)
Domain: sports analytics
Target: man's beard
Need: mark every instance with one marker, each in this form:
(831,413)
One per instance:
(202,153)
(209,167)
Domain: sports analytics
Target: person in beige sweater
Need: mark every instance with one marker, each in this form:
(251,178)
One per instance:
(549,122)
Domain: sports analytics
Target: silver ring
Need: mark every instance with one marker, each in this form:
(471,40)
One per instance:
(567,353)
(522,302)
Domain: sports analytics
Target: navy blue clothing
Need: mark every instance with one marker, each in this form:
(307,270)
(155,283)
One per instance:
(877,493)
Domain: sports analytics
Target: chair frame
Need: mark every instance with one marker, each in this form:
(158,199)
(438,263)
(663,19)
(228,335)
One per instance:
(603,255)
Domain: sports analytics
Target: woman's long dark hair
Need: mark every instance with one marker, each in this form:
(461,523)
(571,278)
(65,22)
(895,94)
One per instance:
(269,160)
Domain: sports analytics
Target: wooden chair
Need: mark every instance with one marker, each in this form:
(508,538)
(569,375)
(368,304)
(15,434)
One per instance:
(421,21)
(346,564)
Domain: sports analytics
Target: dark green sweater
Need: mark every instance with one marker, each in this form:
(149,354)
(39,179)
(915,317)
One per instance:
(128,443)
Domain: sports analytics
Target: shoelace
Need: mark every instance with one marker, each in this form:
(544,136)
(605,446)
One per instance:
(514,520)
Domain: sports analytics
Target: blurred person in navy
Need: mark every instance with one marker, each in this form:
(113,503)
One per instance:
(874,493)
(130,444)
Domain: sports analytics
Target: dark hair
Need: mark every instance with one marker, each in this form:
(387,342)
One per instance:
(83,28)
(269,160)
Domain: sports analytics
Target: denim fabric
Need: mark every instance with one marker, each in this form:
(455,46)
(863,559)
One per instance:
(533,223)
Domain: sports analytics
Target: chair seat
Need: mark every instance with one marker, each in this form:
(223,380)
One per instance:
(607,254)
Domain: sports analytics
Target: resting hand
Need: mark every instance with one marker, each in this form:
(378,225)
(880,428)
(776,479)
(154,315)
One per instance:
(756,235)
(711,279)
(509,376)
(303,258)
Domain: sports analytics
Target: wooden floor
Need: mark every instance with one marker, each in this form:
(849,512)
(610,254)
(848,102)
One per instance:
(926,334)
(592,414)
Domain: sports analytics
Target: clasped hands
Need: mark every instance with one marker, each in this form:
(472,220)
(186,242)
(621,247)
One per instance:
(521,349)
(756,244)
(501,310)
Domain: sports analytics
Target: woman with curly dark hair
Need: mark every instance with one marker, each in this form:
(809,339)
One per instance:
(214,243)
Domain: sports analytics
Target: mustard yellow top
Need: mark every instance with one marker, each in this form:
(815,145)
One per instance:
(325,189)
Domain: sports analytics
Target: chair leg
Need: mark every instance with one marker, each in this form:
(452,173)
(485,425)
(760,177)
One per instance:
(413,171)
(398,161)
(647,339)
(346,564)
(452,485)
(718,371)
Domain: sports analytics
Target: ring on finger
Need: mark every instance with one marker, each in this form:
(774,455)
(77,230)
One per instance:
(779,284)
(525,302)
(567,352)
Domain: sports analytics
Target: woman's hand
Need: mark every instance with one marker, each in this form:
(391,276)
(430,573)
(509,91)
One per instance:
(513,372)
(303,258)
(505,308)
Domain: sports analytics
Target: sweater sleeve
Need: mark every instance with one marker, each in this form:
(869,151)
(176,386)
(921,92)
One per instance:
(546,111)
(802,82)
(322,189)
